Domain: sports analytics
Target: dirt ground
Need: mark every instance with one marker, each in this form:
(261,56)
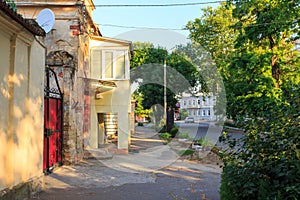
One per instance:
(208,155)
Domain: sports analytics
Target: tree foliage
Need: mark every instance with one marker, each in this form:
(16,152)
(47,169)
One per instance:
(148,63)
(261,73)
(139,109)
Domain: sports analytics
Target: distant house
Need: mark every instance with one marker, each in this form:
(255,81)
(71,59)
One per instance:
(22,66)
(200,106)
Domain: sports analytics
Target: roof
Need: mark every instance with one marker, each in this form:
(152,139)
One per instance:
(114,40)
(29,24)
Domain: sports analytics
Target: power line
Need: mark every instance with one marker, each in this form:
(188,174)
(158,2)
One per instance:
(143,27)
(159,5)
(185,29)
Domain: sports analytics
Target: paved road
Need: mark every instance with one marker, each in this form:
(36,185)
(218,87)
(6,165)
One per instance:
(95,180)
(209,130)
(92,181)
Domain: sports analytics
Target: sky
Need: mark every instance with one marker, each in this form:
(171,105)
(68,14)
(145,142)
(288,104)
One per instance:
(147,18)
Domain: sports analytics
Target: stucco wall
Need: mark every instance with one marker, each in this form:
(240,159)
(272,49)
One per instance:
(114,101)
(22,62)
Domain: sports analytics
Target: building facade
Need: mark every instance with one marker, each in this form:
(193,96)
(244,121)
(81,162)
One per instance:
(22,66)
(200,106)
(69,46)
(111,93)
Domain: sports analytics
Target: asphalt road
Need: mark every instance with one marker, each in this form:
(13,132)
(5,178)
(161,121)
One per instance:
(200,130)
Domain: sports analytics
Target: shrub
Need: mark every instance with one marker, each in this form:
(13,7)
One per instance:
(165,136)
(174,130)
(267,166)
(140,124)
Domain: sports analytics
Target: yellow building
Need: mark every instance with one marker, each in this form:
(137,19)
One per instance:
(60,96)
(88,110)
(110,86)
(22,66)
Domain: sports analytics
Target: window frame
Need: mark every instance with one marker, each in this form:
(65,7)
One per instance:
(115,54)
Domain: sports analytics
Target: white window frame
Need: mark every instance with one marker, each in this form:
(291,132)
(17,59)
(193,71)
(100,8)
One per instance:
(114,67)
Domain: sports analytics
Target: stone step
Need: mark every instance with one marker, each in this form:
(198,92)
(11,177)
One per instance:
(98,154)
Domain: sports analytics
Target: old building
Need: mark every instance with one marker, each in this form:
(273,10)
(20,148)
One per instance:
(67,92)
(200,106)
(88,97)
(22,62)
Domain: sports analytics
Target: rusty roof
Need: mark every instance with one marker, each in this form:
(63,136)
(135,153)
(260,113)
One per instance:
(30,24)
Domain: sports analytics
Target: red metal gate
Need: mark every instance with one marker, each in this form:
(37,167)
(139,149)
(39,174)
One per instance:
(53,120)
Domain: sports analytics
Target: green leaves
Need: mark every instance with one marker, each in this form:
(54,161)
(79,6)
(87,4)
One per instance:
(261,72)
(148,64)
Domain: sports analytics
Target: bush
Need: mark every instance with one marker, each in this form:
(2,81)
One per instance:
(272,181)
(174,130)
(140,124)
(165,136)
(267,166)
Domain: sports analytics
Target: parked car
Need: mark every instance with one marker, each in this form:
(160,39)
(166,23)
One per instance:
(189,120)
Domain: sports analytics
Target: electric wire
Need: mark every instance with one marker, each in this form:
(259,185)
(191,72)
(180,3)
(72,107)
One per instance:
(186,29)
(159,5)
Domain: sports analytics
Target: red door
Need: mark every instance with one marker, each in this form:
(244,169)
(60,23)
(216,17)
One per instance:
(53,119)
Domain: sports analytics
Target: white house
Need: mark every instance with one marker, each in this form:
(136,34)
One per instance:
(200,106)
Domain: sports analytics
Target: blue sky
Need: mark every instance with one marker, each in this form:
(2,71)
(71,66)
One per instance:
(160,17)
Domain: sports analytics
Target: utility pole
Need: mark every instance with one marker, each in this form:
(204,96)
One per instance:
(165,90)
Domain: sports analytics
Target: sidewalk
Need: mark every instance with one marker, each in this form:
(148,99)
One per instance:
(149,171)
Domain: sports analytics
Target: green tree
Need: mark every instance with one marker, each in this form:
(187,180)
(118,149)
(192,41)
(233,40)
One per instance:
(147,57)
(139,109)
(262,79)
(214,32)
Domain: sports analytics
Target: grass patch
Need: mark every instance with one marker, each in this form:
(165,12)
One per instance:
(183,135)
(186,152)
(203,142)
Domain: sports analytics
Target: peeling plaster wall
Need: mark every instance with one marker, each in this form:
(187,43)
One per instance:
(71,66)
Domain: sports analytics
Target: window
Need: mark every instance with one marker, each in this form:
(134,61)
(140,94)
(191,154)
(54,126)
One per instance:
(199,101)
(96,61)
(184,102)
(203,112)
(120,66)
(194,102)
(208,112)
(109,64)
(108,70)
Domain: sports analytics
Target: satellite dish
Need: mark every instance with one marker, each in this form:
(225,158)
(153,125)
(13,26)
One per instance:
(46,19)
